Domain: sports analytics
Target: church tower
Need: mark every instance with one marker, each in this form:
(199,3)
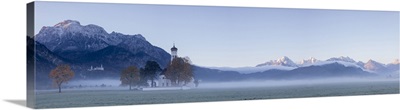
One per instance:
(174,52)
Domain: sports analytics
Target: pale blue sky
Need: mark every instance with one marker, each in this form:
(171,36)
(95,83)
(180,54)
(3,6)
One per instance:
(234,37)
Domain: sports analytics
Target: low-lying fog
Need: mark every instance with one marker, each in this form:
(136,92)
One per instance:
(106,84)
(93,83)
(275,83)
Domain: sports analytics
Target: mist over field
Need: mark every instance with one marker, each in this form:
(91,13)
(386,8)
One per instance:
(114,84)
(277,83)
(99,82)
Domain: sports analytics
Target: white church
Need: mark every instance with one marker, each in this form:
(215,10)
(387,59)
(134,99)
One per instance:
(162,81)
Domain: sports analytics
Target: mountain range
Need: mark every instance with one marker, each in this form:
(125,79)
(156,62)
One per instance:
(330,70)
(370,65)
(312,68)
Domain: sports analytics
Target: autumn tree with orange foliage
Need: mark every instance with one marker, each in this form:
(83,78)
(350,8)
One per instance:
(130,76)
(61,74)
(179,70)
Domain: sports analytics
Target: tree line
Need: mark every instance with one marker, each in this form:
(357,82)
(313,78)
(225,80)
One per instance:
(179,72)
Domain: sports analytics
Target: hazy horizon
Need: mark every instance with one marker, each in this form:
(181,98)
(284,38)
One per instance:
(238,37)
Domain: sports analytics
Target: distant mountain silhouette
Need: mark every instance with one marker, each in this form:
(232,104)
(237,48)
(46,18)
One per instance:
(333,70)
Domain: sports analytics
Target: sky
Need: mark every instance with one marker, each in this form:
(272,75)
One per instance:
(237,36)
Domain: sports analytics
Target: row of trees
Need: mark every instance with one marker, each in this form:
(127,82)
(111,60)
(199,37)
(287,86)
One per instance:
(133,76)
(179,71)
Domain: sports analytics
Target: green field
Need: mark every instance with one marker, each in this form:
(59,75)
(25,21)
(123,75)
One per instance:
(81,98)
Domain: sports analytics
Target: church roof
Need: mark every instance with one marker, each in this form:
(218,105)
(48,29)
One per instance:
(174,48)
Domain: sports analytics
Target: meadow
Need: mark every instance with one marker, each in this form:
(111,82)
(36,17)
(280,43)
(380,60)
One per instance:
(104,97)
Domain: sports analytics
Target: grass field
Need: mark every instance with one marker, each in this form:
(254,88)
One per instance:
(81,98)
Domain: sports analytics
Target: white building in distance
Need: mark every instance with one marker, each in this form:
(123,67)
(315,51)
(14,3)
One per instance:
(101,68)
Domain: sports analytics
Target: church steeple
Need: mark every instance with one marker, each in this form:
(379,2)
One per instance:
(174,52)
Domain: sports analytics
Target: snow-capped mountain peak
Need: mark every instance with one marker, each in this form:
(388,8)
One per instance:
(67,23)
(342,58)
(72,27)
(311,60)
(95,37)
(370,61)
(283,61)
(374,66)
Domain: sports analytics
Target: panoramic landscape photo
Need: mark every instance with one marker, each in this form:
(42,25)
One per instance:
(94,54)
